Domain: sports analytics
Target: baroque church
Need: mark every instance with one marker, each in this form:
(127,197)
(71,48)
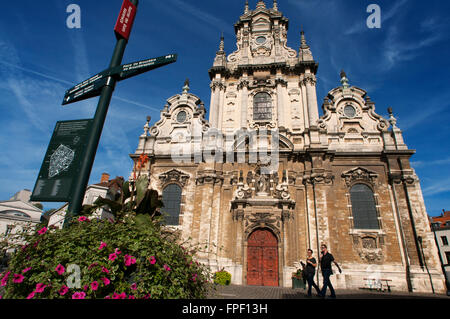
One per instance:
(264,177)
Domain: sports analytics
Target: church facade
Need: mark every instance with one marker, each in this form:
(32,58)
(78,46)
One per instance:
(264,178)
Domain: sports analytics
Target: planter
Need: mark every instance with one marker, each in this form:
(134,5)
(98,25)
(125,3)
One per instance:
(298,283)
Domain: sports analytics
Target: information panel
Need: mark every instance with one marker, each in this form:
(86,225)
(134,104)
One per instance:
(62,161)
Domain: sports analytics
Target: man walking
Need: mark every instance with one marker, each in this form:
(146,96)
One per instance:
(325,265)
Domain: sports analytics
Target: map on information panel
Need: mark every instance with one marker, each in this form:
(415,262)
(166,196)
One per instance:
(62,161)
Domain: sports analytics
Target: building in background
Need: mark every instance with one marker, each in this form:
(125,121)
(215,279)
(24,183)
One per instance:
(106,189)
(16,214)
(441,228)
(266,178)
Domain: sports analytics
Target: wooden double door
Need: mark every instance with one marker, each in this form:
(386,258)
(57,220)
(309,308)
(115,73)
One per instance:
(262,256)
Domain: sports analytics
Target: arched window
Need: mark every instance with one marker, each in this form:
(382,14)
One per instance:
(172,204)
(363,207)
(262,107)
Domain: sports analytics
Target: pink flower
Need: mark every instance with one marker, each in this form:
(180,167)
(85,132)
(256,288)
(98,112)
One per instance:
(18,278)
(117,251)
(129,260)
(119,296)
(40,288)
(194,277)
(94,285)
(130,297)
(92,265)
(26,270)
(42,231)
(152,260)
(79,295)
(166,267)
(107,297)
(60,269)
(85,287)
(83,219)
(106,281)
(4,280)
(133,286)
(105,270)
(31,296)
(112,256)
(102,245)
(64,289)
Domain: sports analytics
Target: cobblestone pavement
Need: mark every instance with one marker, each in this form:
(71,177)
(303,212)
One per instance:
(255,292)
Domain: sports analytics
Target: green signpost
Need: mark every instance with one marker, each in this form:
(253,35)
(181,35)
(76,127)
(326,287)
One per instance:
(72,188)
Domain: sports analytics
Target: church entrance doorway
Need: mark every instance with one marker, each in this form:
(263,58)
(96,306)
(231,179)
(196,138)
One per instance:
(262,256)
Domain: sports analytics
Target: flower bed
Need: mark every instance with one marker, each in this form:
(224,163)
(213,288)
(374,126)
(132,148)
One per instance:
(130,259)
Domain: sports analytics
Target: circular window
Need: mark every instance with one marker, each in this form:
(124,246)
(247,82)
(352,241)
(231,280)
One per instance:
(350,111)
(261,40)
(181,117)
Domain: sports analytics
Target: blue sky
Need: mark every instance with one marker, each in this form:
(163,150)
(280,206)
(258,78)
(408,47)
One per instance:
(404,64)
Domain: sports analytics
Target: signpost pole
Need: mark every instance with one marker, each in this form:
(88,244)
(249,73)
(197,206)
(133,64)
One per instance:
(76,202)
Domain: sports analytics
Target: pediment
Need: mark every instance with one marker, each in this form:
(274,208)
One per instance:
(359,174)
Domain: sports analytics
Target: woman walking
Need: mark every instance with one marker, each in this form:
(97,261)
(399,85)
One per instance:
(310,270)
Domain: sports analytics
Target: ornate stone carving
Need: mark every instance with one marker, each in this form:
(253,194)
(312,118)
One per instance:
(209,177)
(359,174)
(174,176)
(368,247)
(262,220)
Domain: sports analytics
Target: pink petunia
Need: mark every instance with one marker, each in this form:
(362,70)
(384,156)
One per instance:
(92,266)
(106,281)
(79,295)
(82,219)
(152,260)
(18,278)
(117,251)
(102,245)
(112,256)
(94,285)
(4,280)
(104,269)
(60,269)
(42,231)
(131,297)
(26,270)
(64,289)
(119,296)
(31,295)
(40,287)
(129,260)
(133,286)
(167,268)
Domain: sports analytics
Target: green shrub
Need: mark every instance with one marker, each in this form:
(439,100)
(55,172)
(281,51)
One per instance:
(133,258)
(222,278)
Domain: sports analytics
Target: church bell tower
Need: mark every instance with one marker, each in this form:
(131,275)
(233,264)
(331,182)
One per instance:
(264,83)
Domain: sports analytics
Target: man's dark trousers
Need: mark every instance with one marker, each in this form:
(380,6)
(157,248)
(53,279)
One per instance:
(327,283)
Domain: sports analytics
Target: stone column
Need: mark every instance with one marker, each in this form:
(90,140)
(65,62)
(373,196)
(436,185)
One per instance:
(280,102)
(243,86)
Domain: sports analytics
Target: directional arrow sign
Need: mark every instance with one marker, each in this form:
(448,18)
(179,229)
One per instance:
(87,89)
(92,87)
(129,70)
